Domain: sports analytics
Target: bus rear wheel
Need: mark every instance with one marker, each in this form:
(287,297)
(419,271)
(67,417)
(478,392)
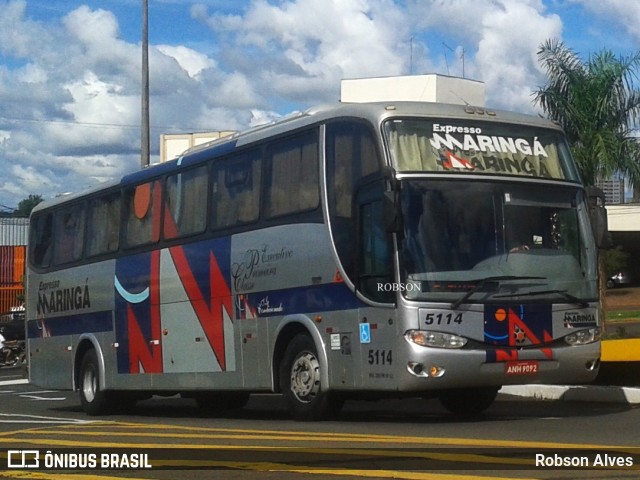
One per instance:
(468,402)
(300,382)
(94,400)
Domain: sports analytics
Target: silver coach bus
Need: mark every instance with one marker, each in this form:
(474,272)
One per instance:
(405,249)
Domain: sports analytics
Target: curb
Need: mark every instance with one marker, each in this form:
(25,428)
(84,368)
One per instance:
(576,393)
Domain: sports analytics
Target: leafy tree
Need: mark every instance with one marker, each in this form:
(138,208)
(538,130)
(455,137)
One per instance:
(26,205)
(597,105)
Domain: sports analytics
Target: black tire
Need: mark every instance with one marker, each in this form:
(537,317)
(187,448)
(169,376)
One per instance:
(300,382)
(468,402)
(94,400)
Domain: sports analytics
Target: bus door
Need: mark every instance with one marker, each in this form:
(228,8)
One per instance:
(254,342)
(376,322)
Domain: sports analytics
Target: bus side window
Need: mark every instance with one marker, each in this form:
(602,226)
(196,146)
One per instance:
(103,217)
(186,203)
(142,217)
(69,234)
(236,190)
(41,240)
(375,259)
(293,184)
(351,156)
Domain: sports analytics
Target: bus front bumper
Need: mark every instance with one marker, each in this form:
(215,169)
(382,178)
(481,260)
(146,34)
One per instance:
(428,368)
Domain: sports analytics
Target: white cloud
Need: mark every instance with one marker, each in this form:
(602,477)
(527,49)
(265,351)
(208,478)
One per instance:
(96,101)
(507,52)
(72,109)
(191,61)
(92,27)
(500,39)
(261,117)
(302,49)
(31,178)
(70,84)
(17,33)
(32,73)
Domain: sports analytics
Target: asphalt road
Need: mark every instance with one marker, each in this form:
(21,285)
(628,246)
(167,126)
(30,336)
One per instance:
(411,438)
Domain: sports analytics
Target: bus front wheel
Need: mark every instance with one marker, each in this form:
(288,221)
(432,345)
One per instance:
(468,402)
(94,400)
(300,382)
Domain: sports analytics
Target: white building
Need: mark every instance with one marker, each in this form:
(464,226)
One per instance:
(413,88)
(172,145)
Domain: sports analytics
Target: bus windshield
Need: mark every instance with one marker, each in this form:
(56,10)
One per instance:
(423,145)
(460,234)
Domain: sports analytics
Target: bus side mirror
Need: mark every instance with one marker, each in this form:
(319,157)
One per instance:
(598,214)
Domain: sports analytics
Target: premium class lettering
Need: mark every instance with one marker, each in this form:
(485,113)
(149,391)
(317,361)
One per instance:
(63,299)
(256,264)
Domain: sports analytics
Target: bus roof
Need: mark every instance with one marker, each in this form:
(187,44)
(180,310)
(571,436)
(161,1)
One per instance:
(374,112)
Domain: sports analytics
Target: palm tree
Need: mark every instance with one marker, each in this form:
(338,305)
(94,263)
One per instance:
(597,105)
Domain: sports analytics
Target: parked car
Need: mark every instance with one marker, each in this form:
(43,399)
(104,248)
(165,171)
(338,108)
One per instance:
(619,279)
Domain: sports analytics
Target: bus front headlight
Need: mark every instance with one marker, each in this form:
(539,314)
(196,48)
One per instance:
(435,339)
(583,337)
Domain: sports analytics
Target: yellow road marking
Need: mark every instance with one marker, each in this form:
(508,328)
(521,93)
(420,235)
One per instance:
(268,467)
(104,430)
(19,474)
(204,433)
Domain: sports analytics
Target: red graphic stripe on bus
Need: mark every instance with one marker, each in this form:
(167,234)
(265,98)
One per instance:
(210,314)
(148,352)
(139,352)
(519,330)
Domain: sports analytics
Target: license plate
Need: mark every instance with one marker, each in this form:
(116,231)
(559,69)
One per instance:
(522,367)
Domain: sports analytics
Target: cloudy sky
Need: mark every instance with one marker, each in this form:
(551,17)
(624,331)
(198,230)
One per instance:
(70,70)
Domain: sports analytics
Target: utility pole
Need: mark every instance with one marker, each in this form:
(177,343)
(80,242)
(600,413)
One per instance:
(144,120)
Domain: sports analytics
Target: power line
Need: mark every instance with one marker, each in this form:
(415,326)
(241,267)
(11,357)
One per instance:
(79,124)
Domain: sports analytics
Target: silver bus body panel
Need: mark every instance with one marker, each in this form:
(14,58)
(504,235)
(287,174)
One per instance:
(270,275)
(223,303)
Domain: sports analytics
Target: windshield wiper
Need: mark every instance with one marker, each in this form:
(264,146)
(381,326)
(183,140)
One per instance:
(573,299)
(481,283)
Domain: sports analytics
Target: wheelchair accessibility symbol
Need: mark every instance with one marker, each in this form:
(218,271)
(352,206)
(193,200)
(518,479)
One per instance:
(365,333)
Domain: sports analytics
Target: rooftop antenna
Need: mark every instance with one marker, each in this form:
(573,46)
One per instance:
(447,63)
(445,56)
